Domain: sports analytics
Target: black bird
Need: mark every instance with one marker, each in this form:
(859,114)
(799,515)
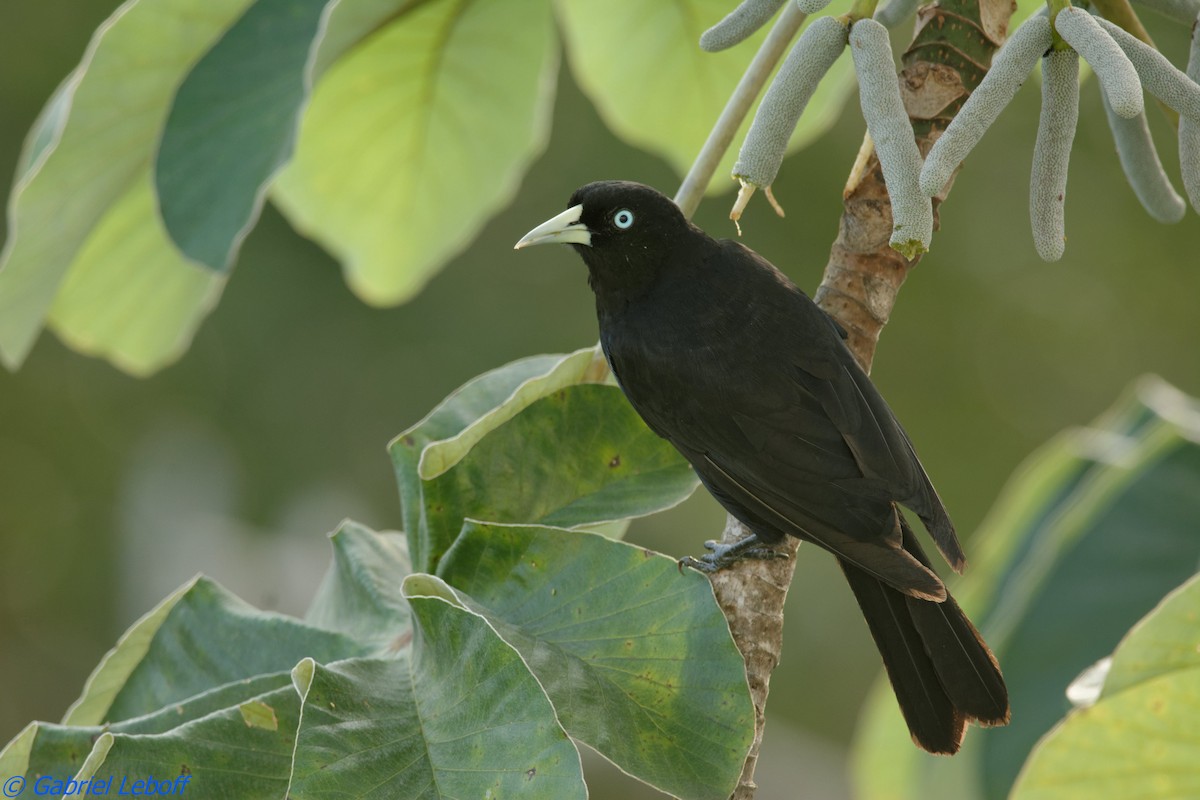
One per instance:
(724,357)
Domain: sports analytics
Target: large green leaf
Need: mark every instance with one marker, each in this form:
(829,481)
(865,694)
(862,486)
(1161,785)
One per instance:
(490,396)
(1141,743)
(361,595)
(60,750)
(1165,642)
(634,653)
(233,125)
(463,718)
(1091,533)
(220,755)
(198,638)
(352,22)
(1141,738)
(417,135)
(534,441)
(576,457)
(129,296)
(83,186)
(582,366)
(659,57)
(457,714)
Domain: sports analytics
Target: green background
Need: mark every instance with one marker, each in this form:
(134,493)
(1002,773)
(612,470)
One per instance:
(236,460)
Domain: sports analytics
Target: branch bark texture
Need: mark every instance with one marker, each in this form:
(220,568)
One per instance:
(950,52)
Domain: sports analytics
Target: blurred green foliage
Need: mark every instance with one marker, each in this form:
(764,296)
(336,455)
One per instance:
(1090,534)
(274,424)
(1138,737)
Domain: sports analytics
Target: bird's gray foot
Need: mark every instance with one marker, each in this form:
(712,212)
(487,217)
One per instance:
(721,555)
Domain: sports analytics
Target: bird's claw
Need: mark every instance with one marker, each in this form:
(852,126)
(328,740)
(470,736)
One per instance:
(722,555)
(702,564)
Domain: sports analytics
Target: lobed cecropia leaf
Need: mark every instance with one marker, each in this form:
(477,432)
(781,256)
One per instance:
(1142,167)
(634,653)
(193,697)
(538,440)
(459,711)
(1012,64)
(222,754)
(179,649)
(392,173)
(1139,738)
(1164,641)
(1118,78)
(469,412)
(214,161)
(85,245)
(45,748)
(892,133)
(367,727)
(360,595)
(199,686)
(1052,152)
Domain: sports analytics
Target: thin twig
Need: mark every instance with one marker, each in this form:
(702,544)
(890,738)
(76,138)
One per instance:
(691,191)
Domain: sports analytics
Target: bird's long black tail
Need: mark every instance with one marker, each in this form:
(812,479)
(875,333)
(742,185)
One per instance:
(941,669)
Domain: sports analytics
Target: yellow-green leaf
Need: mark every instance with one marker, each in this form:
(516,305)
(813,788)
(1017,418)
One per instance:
(416,136)
(641,64)
(1139,743)
(86,162)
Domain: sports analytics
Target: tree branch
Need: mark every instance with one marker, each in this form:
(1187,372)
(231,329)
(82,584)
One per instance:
(952,46)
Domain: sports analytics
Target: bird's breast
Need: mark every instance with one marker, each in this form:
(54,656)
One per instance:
(674,355)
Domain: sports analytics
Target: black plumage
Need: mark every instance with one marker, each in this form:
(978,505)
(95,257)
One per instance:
(728,360)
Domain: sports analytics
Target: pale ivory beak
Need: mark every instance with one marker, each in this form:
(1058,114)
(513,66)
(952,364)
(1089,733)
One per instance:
(562,229)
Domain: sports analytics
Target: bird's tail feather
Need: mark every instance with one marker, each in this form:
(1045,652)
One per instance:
(941,669)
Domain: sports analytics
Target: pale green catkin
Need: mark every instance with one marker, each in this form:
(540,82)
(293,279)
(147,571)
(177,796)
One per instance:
(891,130)
(739,24)
(895,12)
(1189,130)
(766,141)
(1182,11)
(1158,75)
(1118,79)
(811,6)
(1012,64)
(1142,168)
(1052,152)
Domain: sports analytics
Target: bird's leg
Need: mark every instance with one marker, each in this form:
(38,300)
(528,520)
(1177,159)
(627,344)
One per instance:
(722,555)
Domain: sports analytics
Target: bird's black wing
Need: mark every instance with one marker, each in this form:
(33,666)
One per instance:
(780,465)
(881,447)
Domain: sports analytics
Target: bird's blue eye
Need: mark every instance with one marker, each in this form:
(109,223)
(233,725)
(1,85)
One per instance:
(623,219)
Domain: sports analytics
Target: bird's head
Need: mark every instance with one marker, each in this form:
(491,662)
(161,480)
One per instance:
(623,231)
